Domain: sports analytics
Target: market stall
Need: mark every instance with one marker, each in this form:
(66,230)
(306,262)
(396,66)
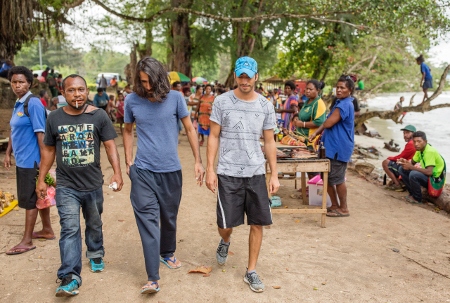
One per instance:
(297,159)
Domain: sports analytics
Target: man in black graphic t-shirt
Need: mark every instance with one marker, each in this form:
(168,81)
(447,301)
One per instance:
(74,133)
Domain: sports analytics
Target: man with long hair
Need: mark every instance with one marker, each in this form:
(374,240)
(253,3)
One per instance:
(155,174)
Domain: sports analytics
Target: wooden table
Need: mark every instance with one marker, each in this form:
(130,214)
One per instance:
(303,166)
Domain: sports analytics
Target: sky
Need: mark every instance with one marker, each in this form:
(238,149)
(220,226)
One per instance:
(440,53)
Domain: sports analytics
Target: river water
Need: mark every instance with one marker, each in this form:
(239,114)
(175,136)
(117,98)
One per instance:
(435,123)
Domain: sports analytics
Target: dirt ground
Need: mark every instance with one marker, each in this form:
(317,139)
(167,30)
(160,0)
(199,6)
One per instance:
(386,251)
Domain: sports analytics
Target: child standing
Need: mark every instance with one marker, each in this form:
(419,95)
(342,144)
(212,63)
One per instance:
(120,111)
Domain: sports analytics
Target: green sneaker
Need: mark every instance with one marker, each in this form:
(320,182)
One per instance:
(97,264)
(67,288)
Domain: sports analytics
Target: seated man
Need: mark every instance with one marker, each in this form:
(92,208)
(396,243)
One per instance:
(391,166)
(432,166)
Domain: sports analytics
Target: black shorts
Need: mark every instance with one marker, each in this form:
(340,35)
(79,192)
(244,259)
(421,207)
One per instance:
(237,196)
(26,186)
(337,172)
(394,167)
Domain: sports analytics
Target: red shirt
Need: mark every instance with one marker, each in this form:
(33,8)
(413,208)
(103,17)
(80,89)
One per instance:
(407,153)
(44,102)
(120,107)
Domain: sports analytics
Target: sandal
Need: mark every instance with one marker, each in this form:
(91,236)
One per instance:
(334,213)
(149,289)
(397,188)
(17,250)
(411,200)
(164,261)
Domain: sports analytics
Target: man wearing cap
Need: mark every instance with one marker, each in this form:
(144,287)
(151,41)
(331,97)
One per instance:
(432,170)
(391,166)
(238,118)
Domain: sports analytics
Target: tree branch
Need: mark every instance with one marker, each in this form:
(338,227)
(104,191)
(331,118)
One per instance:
(379,85)
(394,115)
(357,64)
(73,4)
(181,10)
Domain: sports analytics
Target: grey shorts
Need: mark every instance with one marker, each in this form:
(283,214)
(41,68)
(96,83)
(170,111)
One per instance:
(26,187)
(427,84)
(337,172)
(237,196)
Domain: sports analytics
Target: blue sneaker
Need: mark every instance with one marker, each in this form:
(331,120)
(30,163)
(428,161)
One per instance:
(253,281)
(67,288)
(222,252)
(97,264)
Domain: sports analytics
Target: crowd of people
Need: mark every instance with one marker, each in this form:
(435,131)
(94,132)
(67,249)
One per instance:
(235,120)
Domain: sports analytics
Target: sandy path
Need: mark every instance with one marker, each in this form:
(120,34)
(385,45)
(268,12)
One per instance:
(351,260)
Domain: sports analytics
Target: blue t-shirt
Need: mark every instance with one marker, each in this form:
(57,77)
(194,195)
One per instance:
(157,130)
(101,101)
(5,67)
(339,139)
(23,131)
(425,69)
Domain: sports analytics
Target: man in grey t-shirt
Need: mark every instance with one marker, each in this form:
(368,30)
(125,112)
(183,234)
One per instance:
(238,118)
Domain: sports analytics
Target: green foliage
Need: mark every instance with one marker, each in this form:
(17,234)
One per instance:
(54,55)
(68,60)
(48,180)
(332,37)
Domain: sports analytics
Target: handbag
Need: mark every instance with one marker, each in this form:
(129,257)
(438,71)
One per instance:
(436,184)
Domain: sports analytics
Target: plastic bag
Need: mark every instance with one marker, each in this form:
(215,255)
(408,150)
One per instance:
(49,200)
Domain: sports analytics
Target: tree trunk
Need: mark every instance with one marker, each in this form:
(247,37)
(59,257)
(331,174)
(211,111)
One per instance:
(145,50)
(181,44)
(130,68)
(245,37)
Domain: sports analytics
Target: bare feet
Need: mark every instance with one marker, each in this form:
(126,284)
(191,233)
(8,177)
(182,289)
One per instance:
(43,235)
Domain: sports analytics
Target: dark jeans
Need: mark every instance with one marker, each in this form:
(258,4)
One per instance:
(68,202)
(155,198)
(413,181)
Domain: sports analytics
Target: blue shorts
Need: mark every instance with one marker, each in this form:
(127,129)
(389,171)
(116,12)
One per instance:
(427,84)
(202,131)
